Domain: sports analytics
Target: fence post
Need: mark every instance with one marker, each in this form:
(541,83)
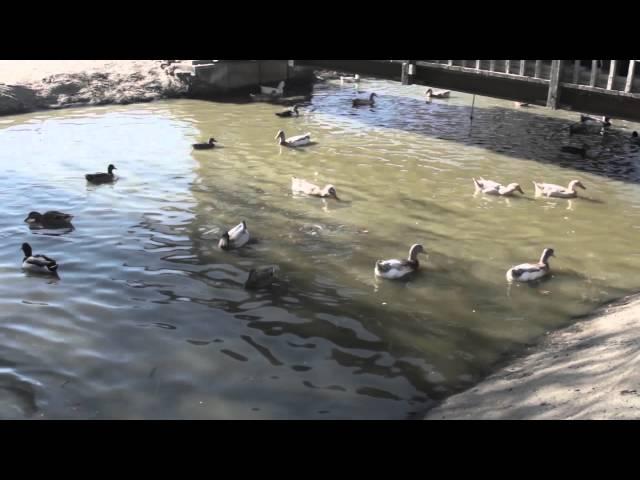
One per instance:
(554,84)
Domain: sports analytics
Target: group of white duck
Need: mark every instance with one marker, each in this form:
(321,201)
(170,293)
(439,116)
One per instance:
(239,236)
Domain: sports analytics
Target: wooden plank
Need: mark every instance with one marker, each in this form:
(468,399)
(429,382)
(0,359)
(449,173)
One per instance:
(537,71)
(523,67)
(632,66)
(594,73)
(612,73)
(507,66)
(554,84)
(576,72)
(492,65)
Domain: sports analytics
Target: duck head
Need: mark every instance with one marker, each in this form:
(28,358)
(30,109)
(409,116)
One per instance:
(330,191)
(111,168)
(212,141)
(26,248)
(546,254)
(280,136)
(576,183)
(415,249)
(634,134)
(515,187)
(372,96)
(33,217)
(224,240)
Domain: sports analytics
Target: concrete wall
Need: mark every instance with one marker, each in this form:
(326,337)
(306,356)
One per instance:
(225,76)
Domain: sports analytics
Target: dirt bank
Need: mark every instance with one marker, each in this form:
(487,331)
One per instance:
(28,85)
(590,370)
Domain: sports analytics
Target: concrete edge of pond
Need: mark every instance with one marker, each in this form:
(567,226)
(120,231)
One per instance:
(589,370)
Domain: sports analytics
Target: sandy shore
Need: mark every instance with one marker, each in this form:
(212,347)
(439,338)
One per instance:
(28,85)
(590,370)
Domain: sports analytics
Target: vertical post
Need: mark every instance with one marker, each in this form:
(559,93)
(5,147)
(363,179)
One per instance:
(522,67)
(632,66)
(478,64)
(537,71)
(576,72)
(594,73)
(507,66)
(612,73)
(554,83)
(450,62)
(408,72)
(492,65)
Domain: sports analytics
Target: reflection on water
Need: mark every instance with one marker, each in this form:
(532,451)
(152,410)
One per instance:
(149,319)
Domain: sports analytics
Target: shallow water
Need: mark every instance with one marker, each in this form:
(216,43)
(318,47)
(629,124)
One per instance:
(150,320)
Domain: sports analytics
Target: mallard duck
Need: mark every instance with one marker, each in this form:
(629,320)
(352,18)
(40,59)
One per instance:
(347,79)
(604,121)
(299,185)
(261,277)
(289,112)
(98,178)
(527,272)
(277,91)
(490,187)
(430,93)
(205,146)
(553,190)
(634,137)
(50,219)
(520,104)
(37,263)
(582,151)
(360,102)
(297,141)
(235,238)
(394,269)
(634,134)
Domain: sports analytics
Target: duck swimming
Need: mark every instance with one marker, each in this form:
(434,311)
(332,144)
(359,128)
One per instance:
(582,151)
(490,187)
(527,272)
(50,219)
(360,102)
(205,146)
(299,185)
(553,190)
(99,178)
(430,93)
(297,141)
(261,277)
(235,238)
(289,112)
(395,269)
(37,263)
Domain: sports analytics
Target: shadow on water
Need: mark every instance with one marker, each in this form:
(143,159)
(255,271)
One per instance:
(613,154)
(352,325)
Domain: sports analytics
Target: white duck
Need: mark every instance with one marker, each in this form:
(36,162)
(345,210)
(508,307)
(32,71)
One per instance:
(37,263)
(490,187)
(604,121)
(347,79)
(553,190)
(527,272)
(299,185)
(395,269)
(297,141)
(430,93)
(278,91)
(235,238)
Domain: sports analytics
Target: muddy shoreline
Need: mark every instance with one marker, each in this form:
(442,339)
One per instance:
(129,82)
(586,371)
